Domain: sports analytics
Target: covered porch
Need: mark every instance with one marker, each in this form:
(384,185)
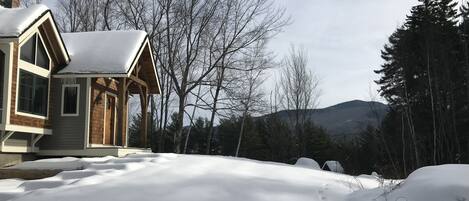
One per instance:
(117,65)
(110,105)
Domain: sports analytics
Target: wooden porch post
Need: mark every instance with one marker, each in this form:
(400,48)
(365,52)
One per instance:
(144,122)
(121,114)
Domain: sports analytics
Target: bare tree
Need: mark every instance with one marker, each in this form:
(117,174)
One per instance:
(183,33)
(300,91)
(246,94)
(244,23)
(299,85)
(82,15)
(27,3)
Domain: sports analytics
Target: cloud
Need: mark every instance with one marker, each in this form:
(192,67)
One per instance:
(343,38)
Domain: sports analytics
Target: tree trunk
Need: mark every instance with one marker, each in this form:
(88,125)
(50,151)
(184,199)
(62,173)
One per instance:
(214,108)
(240,138)
(403,145)
(192,120)
(179,125)
(430,86)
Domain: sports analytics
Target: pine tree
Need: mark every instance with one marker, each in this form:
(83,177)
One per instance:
(422,78)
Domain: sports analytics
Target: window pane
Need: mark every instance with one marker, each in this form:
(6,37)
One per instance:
(25,91)
(33,92)
(40,96)
(28,51)
(70,100)
(42,58)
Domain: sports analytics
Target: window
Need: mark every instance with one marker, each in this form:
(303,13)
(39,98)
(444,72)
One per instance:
(33,93)
(70,97)
(34,52)
(33,78)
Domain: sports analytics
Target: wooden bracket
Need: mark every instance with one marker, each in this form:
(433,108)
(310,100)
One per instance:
(34,140)
(4,137)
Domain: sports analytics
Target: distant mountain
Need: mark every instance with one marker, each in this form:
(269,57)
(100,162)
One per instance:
(345,119)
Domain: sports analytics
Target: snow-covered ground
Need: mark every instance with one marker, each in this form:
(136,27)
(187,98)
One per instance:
(171,177)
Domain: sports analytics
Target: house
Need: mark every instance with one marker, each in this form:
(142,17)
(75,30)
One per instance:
(68,94)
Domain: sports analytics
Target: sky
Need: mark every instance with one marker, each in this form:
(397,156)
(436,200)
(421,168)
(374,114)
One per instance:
(343,39)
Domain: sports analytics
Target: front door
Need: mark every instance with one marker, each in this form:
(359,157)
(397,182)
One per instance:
(110,120)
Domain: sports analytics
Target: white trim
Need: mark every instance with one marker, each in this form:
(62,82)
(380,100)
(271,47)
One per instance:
(137,57)
(34,140)
(28,129)
(5,48)
(34,70)
(31,115)
(4,137)
(63,100)
(105,146)
(9,85)
(154,68)
(35,27)
(87,112)
(94,75)
(18,149)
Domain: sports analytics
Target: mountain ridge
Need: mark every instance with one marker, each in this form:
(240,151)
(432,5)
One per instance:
(343,119)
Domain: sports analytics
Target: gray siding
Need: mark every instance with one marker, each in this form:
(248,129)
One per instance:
(68,132)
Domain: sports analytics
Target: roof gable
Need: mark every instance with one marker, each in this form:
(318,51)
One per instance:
(103,52)
(19,23)
(14,21)
(111,54)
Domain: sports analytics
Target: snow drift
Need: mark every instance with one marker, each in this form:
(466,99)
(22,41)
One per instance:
(171,177)
(434,183)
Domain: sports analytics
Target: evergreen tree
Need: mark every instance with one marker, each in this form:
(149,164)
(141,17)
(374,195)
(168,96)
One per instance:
(423,78)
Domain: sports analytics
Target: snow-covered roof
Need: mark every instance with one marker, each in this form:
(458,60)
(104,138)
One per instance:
(102,52)
(334,166)
(14,21)
(307,163)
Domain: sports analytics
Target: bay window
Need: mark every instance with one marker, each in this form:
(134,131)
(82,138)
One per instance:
(33,77)
(33,93)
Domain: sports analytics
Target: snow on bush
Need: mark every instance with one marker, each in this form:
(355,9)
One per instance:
(433,183)
(307,163)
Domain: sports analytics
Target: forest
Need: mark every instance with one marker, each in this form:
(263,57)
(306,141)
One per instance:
(425,78)
(213,63)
